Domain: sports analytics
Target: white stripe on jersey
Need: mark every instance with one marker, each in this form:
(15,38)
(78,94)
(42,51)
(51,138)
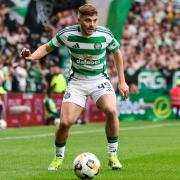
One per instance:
(77,66)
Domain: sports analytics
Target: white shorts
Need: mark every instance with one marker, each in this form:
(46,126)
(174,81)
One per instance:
(79,89)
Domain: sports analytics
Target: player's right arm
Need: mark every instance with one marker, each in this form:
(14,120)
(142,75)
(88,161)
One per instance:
(45,49)
(38,54)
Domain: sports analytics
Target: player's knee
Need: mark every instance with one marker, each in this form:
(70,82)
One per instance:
(110,111)
(66,121)
(65,125)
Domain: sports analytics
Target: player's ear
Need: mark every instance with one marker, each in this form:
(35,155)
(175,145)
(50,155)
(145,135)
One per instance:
(79,17)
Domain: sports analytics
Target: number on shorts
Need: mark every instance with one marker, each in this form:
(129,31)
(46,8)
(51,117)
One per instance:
(104,85)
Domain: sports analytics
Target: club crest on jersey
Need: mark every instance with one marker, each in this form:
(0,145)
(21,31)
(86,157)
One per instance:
(87,56)
(97,45)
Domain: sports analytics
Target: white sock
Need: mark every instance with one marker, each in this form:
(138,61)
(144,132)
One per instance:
(112,148)
(60,151)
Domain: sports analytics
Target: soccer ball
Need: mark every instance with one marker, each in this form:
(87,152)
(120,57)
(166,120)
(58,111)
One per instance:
(3,124)
(86,165)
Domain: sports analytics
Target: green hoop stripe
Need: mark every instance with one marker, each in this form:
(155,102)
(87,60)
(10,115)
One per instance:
(111,42)
(59,40)
(113,50)
(80,39)
(88,51)
(89,73)
(51,44)
(59,145)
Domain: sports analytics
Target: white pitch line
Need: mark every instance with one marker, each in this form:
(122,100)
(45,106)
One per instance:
(93,131)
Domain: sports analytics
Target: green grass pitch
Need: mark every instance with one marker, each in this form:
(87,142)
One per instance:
(148,151)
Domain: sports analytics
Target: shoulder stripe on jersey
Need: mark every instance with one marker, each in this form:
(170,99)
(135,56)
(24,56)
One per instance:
(111,42)
(63,31)
(67,30)
(104,31)
(59,40)
(81,39)
(103,28)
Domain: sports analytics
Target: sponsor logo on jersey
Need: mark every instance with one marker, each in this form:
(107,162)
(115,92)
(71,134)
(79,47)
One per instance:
(88,62)
(87,56)
(97,45)
(76,46)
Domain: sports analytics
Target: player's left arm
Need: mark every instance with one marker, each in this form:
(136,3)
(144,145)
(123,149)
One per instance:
(114,47)
(123,87)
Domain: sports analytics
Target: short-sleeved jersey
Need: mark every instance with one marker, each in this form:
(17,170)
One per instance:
(88,53)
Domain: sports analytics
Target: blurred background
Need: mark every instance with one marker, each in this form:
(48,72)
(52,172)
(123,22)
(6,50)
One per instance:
(148,31)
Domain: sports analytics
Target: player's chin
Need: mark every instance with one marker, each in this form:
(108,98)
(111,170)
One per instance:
(89,32)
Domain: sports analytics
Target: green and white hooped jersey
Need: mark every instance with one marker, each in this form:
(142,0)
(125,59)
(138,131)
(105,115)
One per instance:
(88,53)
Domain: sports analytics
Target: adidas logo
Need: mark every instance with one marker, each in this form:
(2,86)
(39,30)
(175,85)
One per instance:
(109,90)
(76,45)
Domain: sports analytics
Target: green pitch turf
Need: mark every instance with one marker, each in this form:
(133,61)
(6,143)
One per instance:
(148,151)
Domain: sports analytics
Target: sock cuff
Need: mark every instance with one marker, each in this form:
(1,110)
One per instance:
(112,139)
(59,144)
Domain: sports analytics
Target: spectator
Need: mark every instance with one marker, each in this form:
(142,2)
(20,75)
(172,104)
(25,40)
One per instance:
(21,75)
(58,82)
(35,79)
(1,108)
(51,111)
(2,90)
(3,74)
(175,98)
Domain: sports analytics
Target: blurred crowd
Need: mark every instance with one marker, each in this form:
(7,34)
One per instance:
(18,75)
(151,40)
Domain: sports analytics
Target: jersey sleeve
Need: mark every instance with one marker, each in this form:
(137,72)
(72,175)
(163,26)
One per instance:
(113,45)
(57,40)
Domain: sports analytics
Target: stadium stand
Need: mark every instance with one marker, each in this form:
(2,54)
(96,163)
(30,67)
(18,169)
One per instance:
(150,40)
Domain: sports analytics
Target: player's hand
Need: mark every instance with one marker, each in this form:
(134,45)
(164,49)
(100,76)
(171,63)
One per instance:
(124,90)
(26,53)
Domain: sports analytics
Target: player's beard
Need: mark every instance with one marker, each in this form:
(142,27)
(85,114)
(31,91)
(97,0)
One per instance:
(87,31)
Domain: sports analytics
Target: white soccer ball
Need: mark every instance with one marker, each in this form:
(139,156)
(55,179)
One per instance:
(86,165)
(3,124)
